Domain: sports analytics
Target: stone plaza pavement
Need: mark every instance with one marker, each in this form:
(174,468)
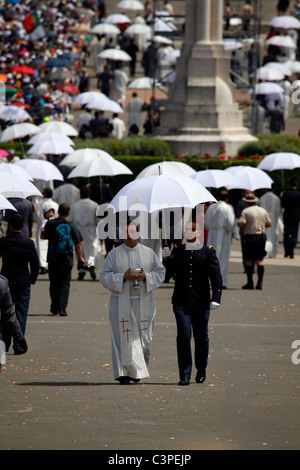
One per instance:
(61,394)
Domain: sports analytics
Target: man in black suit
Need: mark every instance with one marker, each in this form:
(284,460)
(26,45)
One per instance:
(18,255)
(23,207)
(195,266)
(290,202)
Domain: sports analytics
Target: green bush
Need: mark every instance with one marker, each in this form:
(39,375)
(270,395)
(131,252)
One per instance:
(270,143)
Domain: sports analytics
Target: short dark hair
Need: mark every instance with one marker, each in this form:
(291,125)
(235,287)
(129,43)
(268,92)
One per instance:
(17,221)
(64,209)
(85,192)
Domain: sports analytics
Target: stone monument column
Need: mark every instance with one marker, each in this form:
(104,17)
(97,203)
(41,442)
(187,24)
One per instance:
(200,113)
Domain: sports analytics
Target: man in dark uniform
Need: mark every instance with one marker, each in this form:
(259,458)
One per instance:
(60,259)
(195,267)
(18,253)
(290,202)
(9,325)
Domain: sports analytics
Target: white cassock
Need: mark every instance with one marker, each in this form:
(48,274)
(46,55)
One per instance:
(221,223)
(67,193)
(42,245)
(83,215)
(131,311)
(271,203)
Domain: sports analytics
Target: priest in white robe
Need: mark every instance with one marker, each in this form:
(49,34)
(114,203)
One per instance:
(131,310)
(220,222)
(272,204)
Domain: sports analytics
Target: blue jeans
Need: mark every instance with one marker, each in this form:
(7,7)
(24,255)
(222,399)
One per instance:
(21,298)
(191,321)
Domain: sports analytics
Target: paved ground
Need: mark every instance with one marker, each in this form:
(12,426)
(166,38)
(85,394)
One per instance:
(62,395)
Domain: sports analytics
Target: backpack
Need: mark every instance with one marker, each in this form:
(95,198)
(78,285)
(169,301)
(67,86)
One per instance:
(63,242)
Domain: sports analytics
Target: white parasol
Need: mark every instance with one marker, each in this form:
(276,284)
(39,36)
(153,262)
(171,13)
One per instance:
(100,167)
(40,169)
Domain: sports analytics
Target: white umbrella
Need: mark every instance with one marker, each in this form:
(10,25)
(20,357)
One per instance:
(84,155)
(117,18)
(280,161)
(172,56)
(133,5)
(269,73)
(284,69)
(13,113)
(160,192)
(232,45)
(100,167)
(17,131)
(293,65)
(105,104)
(160,39)
(40,169)
(105,28)
(285,22)
(164,26)
(215,178)
(5,204)
(89,97)
(50,147)
(144,83)
(44,136)
(115,54)
(167,168)
(12,185)
(16,170)
(250,178)
(59,126)
(266,88)
(281,41)
(138,29)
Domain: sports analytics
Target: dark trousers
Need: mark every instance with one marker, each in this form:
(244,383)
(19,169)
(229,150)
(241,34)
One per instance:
(21,297)
(191,321)
(60,279)
(290,236)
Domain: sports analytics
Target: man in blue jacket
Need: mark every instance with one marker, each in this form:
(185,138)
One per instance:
(195,267)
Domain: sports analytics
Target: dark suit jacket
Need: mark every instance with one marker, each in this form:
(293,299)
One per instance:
(290,202)
(194,271)
(23,207)
(8,319)
(18,255)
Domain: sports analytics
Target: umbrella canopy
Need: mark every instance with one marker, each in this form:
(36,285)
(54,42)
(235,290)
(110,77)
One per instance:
(84,155)
(40,169)
(59,126)
(71,89)
(22,69)
(281,41)
(115,54)
(13,113)
(172,56)
(215,178)
(5,204)
(284,69)
(280,161)
(232,45)
(144,83)
(250,178)
(46,136)
(269,73)
(167,168)
(138,29)
(3,153)
(293,65)
(160,192)
(285,22)
(48,147)
(105,104)
(89,97)
(117,18)
(105,28)
(266,88)
(58,62)
(133,5)
(100,166)
(12,185)
(16,170)
(18,131)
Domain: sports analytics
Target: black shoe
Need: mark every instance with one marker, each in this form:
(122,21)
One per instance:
(43,271)
(80,276)
(200,377)
(92,273)
(54,312)
(184,381)
(123,380)
(248,286)
(259,286)
(134,380)
(62,312)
